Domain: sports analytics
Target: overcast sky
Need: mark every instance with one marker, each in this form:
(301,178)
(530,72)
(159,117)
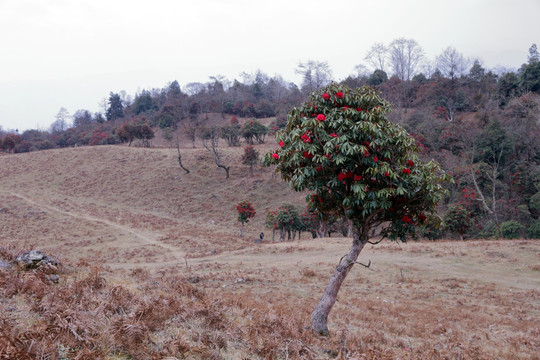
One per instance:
(72,53)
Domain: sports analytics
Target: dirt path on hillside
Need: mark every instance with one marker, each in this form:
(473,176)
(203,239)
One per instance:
(414,261)
(146,238)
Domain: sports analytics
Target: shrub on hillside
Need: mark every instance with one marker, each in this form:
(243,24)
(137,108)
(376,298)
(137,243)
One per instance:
(458,220)
(231,134)
(99,137)
(253,130)
(512,229)
(9,142)
(22,147)
(534,230)
(250,157)
(135,130)
(534,204)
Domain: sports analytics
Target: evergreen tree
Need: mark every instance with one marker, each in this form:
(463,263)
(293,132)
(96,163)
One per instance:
(144,103)
(115,109)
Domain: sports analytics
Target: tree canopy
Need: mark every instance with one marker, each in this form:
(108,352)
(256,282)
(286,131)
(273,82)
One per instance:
(358,165)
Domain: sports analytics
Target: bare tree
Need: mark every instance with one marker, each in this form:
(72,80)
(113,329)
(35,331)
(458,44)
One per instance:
(277,88)
(194,88)
(361,71)
(217,156)
(62,121)
(103,105)
(226,83)
(315,74)
(377,56)
(428,68)
(180,156)
(127,100)
(496,170)
(405,57)
(452,63)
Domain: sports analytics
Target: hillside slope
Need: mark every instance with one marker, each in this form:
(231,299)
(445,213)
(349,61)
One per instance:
(153,267)
(129,202)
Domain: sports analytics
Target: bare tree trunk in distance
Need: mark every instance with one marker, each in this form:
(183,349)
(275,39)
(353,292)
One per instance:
(180,156)
(319,316)
(217,156)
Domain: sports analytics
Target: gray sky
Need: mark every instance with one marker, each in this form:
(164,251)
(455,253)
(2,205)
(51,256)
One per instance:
(72,53)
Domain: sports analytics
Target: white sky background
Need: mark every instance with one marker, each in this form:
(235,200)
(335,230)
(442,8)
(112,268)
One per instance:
(72,53)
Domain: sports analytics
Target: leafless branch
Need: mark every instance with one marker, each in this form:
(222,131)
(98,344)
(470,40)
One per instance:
(375,242)
(355,262)
(366,266)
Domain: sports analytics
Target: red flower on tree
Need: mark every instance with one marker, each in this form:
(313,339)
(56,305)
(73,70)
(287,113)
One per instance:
(275,156)
(321,117)
(375,159)
(245,212)
(339,94)
(410,163)
(326,96)
(422,217)
(333,135)
(281,143)
(406,219)
(357,177)
(406,171)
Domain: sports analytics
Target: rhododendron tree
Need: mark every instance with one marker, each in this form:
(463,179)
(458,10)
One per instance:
(286,219)
(357,166)
(250,157)
(245,212)
(9,142)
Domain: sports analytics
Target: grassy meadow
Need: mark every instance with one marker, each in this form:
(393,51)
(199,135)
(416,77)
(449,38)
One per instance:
(153,267)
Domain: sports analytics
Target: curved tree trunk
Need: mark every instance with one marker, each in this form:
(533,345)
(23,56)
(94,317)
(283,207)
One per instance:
(180,157)
(319,317)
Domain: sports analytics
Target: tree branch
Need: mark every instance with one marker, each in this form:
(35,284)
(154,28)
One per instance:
(366,266)
(375,242)
(351,263)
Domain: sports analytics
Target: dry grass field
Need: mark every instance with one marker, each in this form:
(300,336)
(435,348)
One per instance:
(153,268)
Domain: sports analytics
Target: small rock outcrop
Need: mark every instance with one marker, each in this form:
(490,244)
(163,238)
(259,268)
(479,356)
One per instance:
(4,265)
(34,259)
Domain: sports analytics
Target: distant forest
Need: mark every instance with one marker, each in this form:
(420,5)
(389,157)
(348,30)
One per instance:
(482,126)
